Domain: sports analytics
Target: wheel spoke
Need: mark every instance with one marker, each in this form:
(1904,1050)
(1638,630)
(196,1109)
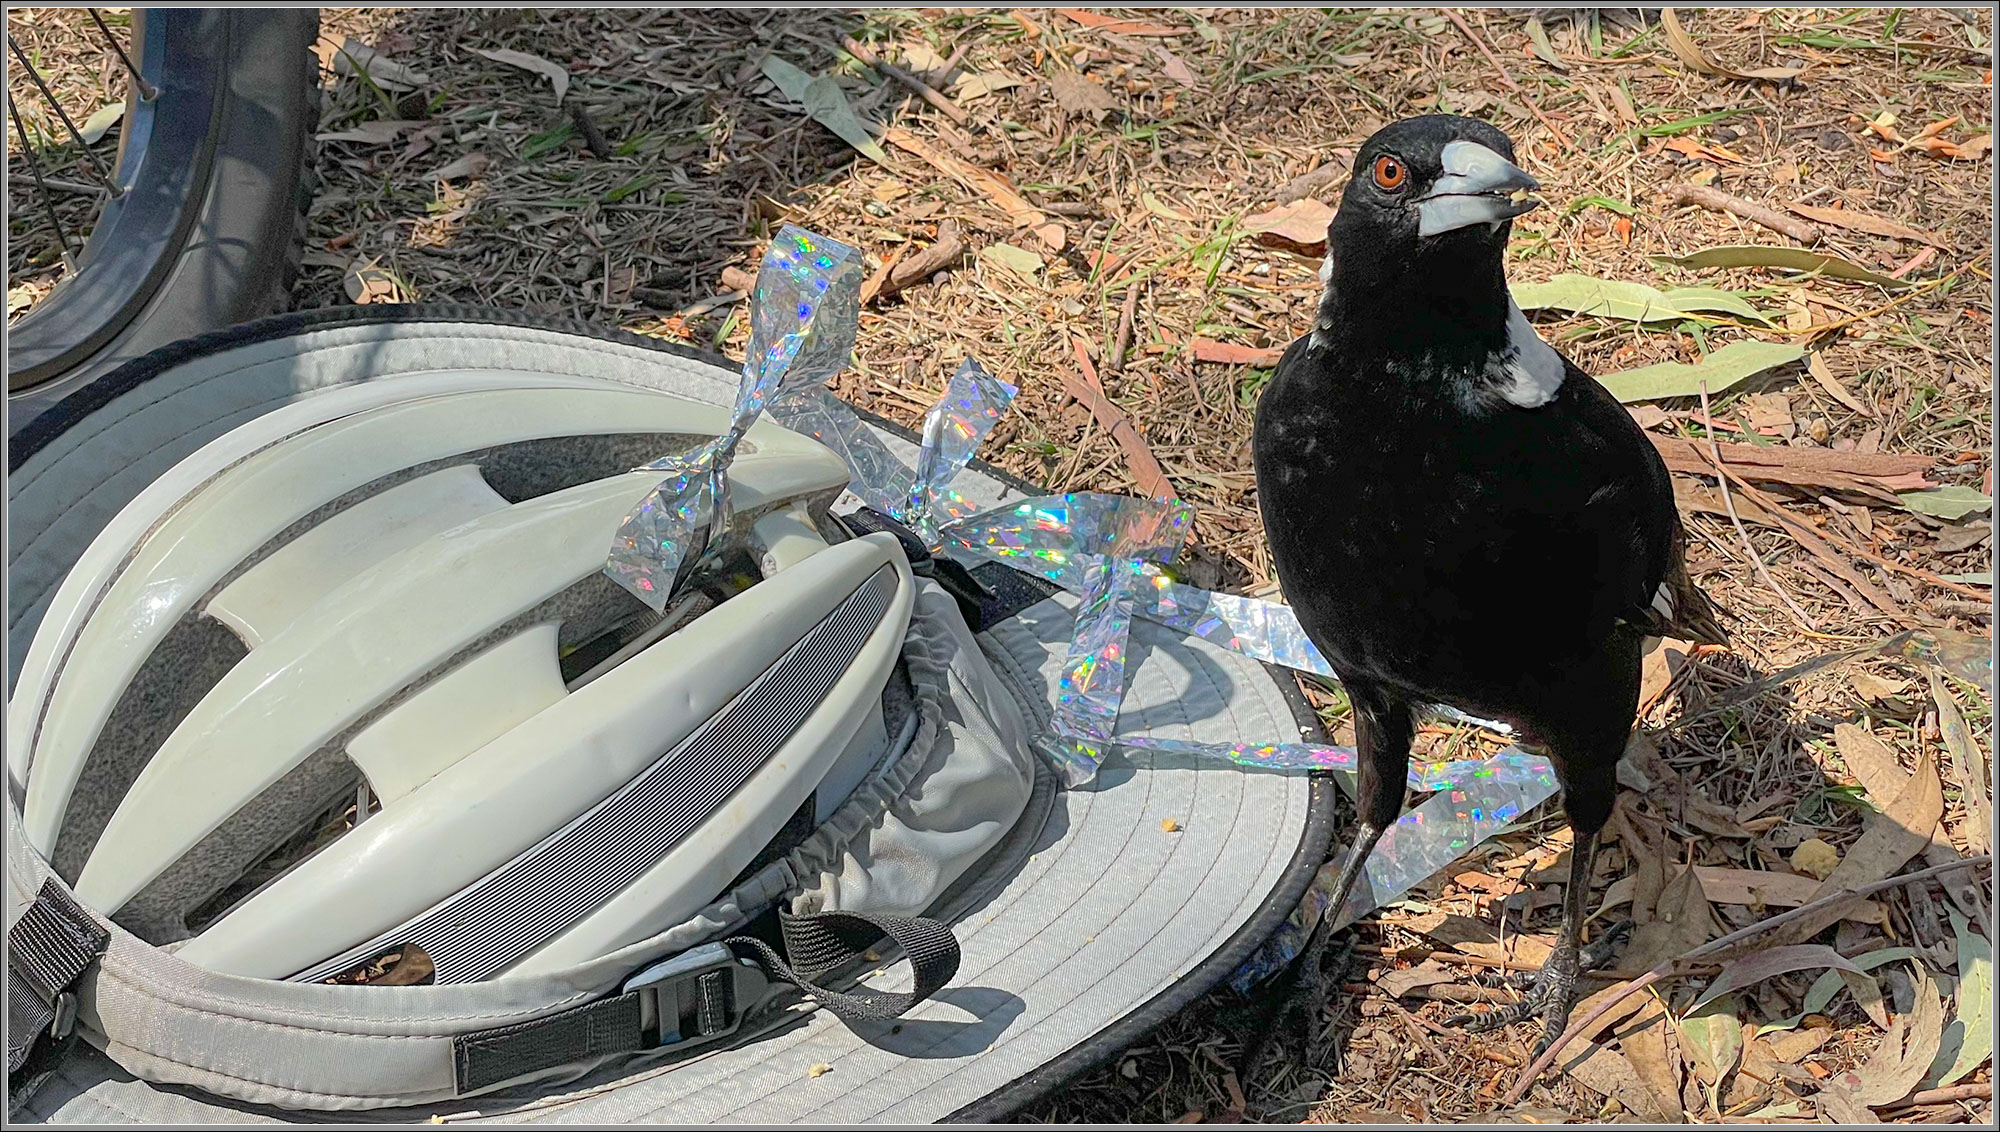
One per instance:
(35,167)
(147,91)
(96,167)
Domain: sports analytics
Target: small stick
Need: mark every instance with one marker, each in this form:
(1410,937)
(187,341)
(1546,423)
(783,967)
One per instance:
(1666,968)
(923,89)
(1454,17)
(1756,559)
(1417,1032)
(942,253)
(1123,343)
(1809,538)
(1714,199)
(1139,458)
(593,138)
(1979,1092)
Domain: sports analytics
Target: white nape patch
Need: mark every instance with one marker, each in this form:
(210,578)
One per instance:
(1320,324)
(1530,368)
(1663,601)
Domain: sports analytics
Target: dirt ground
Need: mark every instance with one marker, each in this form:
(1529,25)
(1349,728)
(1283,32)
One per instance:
(1127,198)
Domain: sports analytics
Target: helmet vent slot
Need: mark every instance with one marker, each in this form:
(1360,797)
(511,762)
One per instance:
(189,661)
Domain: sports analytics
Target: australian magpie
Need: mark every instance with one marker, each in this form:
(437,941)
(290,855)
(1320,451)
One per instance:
(1457,513)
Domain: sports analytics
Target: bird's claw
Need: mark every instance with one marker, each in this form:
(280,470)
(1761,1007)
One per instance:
(1553,991)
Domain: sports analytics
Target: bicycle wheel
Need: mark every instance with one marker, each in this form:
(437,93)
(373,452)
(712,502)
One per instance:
(214,172)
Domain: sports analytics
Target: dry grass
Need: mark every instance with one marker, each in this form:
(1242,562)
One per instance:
(1196,130)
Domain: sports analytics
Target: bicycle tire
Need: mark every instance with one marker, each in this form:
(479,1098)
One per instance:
(217,174)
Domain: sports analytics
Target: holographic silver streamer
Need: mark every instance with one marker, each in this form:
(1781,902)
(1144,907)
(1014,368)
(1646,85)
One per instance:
(1123,534)
(803,319)
(921,499)
(972,404)
(1474,800)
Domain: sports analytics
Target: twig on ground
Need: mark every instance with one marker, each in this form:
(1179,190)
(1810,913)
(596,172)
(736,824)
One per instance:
(943,252)
(593,138)
(1666,968)
(1749,548)
(1982,1091)
(923,89)
(1139,458)
(1707,196)
(1123,343)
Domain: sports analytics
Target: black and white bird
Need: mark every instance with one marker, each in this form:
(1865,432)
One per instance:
(1457,513)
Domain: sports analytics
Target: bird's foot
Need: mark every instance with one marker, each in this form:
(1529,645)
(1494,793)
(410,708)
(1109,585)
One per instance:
(1553,992)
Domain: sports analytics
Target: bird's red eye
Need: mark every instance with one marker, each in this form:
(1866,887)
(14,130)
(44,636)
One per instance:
(1389,173)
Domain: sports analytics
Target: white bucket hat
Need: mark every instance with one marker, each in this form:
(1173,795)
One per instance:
(1099,912)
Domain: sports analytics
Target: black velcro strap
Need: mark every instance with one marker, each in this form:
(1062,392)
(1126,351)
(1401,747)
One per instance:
(1010,592)
(572,1037)
(824,941)
(28,1019)
(53,943)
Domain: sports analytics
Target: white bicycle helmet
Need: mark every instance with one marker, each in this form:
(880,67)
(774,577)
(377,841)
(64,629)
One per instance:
(349,683)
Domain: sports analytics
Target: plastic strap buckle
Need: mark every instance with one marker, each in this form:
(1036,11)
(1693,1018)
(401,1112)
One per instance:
(698,996)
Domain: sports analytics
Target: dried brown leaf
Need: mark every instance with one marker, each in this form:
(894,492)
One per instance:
(1688,51)
(1816,366)
(1858,221)
(1080,97)
(1299,226)
(1969,767)
(1903,831)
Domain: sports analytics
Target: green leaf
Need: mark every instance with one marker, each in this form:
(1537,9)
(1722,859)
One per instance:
(1613,298)
(1789,259)
(1720,370)
(1974,1025)
(1617,206)
(1820,995)
(1714,1037)
(1018,260)
(1948,502)
(100,123)
(1773,961)
(643,180)
(1975,578)
(825,103)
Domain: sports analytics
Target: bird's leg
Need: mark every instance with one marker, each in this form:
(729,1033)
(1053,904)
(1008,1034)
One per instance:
(1554,990)
(1382,732)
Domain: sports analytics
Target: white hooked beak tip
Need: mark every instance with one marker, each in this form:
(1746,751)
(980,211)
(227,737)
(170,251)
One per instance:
(1478,187)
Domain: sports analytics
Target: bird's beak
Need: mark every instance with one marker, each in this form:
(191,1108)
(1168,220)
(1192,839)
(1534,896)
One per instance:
(1478,187)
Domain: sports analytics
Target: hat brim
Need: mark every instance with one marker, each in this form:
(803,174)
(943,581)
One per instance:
(1104,911)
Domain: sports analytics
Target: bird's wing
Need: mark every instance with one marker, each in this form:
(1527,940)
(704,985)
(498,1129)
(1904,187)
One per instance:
(1640,542)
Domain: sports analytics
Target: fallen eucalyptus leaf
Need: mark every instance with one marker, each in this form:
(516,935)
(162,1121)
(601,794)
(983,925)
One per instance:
(1973,1028)
(357,58)
(1788,259)
(1580,294)
(1859,221)
(1020,261)
(557,75)
(1905,1053)
(1714,1036)
(1688,51)
(379,131)
(100,123)
(1079,96)
(1722,369)
(824,103)
(471,165)
(1970,768)
(1758,966)
(1299,226)
(1951,502)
